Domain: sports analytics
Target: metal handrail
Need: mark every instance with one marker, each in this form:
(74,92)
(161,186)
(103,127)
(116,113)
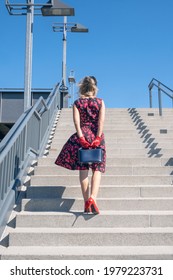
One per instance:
(161,89)
(25,142)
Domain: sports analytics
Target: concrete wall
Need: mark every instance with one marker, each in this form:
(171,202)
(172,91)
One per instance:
(12,103)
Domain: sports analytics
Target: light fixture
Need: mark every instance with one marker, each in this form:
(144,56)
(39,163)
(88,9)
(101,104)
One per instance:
(57,8)
(71,79)
(79,28)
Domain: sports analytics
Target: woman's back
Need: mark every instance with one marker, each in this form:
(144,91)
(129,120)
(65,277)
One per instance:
(89,109)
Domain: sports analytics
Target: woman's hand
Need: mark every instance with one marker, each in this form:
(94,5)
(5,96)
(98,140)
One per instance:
(96,142)
(84,143)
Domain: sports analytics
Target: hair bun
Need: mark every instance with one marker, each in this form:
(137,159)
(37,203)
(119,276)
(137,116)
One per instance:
(88,86)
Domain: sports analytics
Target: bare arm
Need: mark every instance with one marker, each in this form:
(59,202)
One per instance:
(76,120)
(101,120)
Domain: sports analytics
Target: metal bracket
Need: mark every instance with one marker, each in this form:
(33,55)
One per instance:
(16,9)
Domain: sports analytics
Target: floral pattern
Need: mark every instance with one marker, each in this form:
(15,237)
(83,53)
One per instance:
(89,114)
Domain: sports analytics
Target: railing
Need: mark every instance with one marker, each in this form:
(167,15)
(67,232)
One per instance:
(161,89)
(25,141)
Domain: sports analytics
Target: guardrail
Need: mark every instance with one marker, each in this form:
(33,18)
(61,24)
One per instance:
(161,89)
(25,141)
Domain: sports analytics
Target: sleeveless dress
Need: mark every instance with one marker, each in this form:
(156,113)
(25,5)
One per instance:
(89,109)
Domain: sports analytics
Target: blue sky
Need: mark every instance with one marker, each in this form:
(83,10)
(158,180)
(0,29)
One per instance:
(129,42)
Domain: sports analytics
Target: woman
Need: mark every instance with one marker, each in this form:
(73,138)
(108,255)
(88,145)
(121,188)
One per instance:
(88,117)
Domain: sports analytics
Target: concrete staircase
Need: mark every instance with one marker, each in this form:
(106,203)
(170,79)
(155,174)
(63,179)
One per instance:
(135,198)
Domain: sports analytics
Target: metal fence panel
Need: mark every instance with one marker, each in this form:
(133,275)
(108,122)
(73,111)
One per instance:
(25,141)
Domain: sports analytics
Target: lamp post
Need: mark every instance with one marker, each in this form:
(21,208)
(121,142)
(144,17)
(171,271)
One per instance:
(51,8)
(72,81)
(64,28)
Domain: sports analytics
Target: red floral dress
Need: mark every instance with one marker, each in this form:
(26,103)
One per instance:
(89,114)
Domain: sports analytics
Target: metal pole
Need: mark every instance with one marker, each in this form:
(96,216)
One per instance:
(150,97)
(72,93)
(64,50)
(64,39)
(28,55)
(160,101)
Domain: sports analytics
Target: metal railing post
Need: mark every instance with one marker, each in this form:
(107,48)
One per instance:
(150,97)
(162,89)
(160,100)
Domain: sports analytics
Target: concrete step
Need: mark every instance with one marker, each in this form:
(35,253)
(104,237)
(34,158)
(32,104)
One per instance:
(149,137)
(153,124)
(144,111)
(110,112)
(109,219)
(156,119)
(163,151)
(162,145)
(154,139)
(109,116)
(111,170)
(126,125)
(88,253)
(54,180)
(166,151)
(113,139)
(119,204)
(161,132)
(68,123)
(110,142)
(110,138)
(130,161)
(108,133)
(115,152)
(105,191)
(118,111)
(161,129)
(126,122)
(81,237)
(110,145)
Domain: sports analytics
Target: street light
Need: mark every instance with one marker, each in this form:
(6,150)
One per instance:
(57,9)
(79,28)
(72,81)
(53,7)
(66,27)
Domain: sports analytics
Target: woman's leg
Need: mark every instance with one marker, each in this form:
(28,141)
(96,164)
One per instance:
(90,205)
(84,181)
(95,184)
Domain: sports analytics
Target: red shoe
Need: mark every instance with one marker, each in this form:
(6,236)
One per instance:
(87,208)
(90,203)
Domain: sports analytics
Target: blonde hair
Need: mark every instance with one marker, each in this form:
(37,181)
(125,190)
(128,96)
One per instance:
(88,86)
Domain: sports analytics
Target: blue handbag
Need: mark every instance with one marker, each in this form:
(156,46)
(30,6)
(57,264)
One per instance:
(90,155)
